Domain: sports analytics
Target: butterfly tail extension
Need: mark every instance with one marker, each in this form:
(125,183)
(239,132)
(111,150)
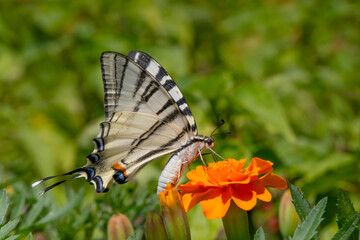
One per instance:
(88,172)
(57,184)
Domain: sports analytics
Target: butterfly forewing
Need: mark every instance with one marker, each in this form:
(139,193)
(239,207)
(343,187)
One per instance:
(160,74)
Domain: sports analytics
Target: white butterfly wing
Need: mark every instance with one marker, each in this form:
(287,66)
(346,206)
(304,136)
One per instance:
(143,120)
(146,116)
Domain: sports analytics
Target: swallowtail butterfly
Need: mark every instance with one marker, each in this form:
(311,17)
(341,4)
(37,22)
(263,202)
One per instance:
(146,117)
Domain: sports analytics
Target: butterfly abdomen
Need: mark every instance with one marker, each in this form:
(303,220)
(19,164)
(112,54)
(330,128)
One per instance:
(181,159)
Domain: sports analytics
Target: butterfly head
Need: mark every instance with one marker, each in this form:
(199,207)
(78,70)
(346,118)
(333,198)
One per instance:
(209,142)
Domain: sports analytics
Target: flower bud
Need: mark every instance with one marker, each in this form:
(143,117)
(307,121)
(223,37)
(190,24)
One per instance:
(175,219)
(288,218)
(119,227)
(154,226)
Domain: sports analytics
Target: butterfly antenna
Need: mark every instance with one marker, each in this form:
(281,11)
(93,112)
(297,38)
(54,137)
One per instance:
(58,183)
(222,123)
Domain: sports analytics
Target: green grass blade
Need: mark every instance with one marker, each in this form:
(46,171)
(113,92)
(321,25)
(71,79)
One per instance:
(307,229)
(61,211)
(259,235)
(348,228)
(29,237)
(13,237)
(8,227)
(18,207)
(31,216)
(4,204)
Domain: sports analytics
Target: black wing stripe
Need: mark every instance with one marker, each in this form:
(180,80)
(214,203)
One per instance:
(118,89)
(169,84)
(169,118)
(146,95)
(160,74)
(139,82)
(162,147)
(181,101)
(169,103)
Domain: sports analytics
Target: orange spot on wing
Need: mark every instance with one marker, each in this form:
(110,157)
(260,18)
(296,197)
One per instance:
(119,167)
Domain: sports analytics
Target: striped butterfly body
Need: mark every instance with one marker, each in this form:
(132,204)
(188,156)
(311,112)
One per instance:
(146,117)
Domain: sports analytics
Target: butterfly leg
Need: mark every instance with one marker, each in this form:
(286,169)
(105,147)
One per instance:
(202,159)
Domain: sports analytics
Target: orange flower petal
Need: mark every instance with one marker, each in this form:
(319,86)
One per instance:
(272,180)
(217,204)
(190,200)
(215,186)
(244,197)
(199,175)
(260,166)
(236,177)
(261,192)
(191,187)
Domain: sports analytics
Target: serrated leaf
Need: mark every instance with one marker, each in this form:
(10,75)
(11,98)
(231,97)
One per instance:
(266,108)
(348,228)
(259,235)
(4,204)
(29,237)
(51,216)
(302,206)
(307,229)
(345,208)
(31,216)
(8,227)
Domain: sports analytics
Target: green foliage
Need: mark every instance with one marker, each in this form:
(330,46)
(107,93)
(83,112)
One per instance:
(259,235)
(6,227)
(348,230)
(302,206)
(282,74)
(307,229)
(347,218)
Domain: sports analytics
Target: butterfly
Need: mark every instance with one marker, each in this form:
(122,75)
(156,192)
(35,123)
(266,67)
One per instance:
(146,117)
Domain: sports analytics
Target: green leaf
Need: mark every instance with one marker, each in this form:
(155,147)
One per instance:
(133,237)
(345,208)
(13,237)
(29,237)
(266,109)
(18,207)
(51,216)
(348,228)
(31,216)
(302,206)
(4,204)
(307,229)
(8,227)
(259,235)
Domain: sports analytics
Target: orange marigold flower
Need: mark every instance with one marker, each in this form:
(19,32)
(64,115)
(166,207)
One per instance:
(215,186)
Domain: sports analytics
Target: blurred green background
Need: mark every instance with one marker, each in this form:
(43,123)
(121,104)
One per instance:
(284,75)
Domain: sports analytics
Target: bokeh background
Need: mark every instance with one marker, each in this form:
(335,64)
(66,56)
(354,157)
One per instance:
(283,74)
